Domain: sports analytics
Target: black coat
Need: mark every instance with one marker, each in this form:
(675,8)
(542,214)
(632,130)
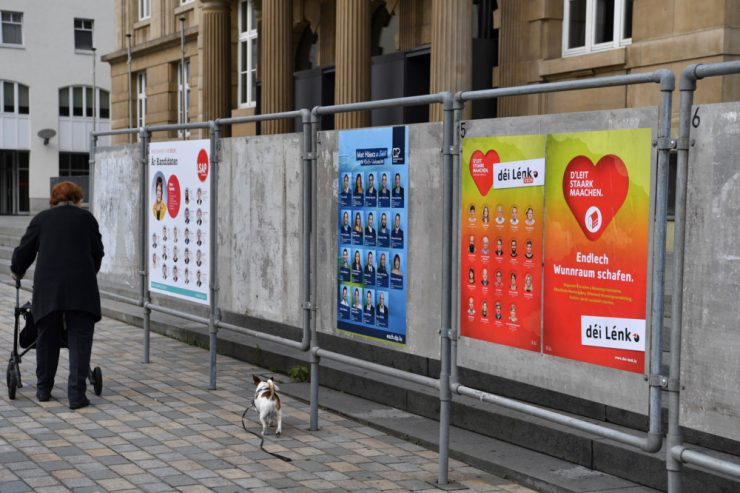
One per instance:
(69,248)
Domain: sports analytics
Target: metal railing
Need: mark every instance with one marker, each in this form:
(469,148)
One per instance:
(448,383)
(677,453)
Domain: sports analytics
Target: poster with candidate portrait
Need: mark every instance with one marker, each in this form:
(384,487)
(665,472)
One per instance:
(501,225)
(555,244)
(179,219)
(372,255)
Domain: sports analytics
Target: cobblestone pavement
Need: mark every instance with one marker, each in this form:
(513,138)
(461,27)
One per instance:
(157,428)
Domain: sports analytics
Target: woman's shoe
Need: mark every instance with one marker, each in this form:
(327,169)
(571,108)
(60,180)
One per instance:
(79,405)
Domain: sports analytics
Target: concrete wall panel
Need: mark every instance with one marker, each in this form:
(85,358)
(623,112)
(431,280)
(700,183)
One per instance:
(620,389)
(710,367)
(260,218)
(424,232)
(116,205)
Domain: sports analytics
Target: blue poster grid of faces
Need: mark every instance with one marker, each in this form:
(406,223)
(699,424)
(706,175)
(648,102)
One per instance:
(372,225)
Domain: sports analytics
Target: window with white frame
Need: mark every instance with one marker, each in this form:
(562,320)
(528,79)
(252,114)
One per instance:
(13,98)
(596,25)
(77,102)
(83,34)
(145,9)
(141,99)
(11,28)
(183,117)
(248,50)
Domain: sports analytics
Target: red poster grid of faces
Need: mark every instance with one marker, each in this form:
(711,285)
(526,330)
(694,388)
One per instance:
(498,303)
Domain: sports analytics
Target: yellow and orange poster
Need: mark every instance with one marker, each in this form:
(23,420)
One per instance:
(597,199)
(503,182)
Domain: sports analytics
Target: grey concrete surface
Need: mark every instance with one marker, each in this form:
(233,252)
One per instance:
(621,389)
(424,232)
(155,429)
(710,368)
(116,202)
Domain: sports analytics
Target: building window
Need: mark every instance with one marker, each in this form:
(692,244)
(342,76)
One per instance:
(13,98)
(74,164)
(141,99)
(12,28)
(248,50)
(145,7)
(183,117)
(596,25)
(79,99)
(83,34)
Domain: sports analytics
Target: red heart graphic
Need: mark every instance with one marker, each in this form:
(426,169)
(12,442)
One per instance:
(481,169)
(595,193)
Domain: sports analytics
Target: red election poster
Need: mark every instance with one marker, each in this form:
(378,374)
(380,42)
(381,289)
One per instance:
(596,247)
(501,246)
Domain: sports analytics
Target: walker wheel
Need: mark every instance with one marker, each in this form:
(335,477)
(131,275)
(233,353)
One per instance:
(97,378)
(11,381)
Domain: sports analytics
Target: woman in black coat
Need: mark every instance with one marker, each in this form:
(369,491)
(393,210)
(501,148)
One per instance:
(65,288)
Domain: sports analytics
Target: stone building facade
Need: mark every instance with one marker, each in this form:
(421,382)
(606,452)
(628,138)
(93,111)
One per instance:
(262,56)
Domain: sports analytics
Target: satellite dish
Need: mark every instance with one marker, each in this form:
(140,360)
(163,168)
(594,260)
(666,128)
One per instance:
(47,134)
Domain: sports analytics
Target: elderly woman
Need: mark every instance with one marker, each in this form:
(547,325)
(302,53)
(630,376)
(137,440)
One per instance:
(65,288)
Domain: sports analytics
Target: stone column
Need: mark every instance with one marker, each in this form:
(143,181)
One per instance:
(410,18)
(216,60)
(452,50)
(276,62)
(352,61)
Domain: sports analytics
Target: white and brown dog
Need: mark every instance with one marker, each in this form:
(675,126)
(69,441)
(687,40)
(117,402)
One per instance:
(267,403)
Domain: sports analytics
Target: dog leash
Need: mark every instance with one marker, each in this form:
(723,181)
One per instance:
(262,439)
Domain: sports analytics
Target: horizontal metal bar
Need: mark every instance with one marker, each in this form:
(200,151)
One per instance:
(120,131)
(177,126)
(118,297)
(553,416)
(701,459)
(177,313)
(384,103)
(567,85)
(261,335)
(714,69)
(259,118)
(385,370)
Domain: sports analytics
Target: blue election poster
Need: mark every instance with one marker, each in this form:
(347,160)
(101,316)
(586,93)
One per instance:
(372,244)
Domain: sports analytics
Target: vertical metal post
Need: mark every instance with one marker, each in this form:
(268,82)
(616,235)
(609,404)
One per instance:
(659,246)
(91,174)
(213,281)
(308,182)
(183,111)
(458,106)
(445,397)
(130,103)
(95,90)
(673,466)
(145,294)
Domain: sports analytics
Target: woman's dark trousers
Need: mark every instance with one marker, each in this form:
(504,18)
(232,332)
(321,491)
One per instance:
(80,328)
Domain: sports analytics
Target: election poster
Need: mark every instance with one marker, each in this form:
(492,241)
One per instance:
(555,244)
(596,246)
(372,239)
(501,252)
(179,218)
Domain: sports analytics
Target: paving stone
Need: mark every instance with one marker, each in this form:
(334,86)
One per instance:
(157,429)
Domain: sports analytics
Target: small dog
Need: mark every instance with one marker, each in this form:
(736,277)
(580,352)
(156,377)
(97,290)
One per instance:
(267,403)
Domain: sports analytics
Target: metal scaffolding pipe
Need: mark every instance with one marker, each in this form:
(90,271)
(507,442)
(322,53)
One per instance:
(177,313)
(555,417)
(121,298)
(382,369)
(683,454)
(261,335)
